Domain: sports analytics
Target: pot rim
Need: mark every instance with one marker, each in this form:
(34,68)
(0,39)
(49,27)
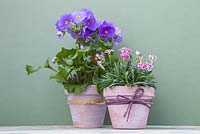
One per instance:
(131,87)
(89,90)
(127,90)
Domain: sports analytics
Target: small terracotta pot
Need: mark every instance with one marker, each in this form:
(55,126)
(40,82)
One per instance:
(87,108)
(138,114)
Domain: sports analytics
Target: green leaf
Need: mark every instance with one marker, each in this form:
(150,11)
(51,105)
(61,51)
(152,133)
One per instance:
(75,88)
(30,69)
(64,55)
(46,64)
(107,44)
(126,77)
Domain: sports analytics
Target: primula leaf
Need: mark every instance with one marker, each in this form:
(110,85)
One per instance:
(107,44)
(30,69)
(75,88)
(64,56)
(61,75)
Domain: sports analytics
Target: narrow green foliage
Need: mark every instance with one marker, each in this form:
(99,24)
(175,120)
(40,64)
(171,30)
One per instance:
(124,73)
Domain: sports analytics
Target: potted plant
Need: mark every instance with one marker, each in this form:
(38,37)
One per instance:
(78,67)
(128,86)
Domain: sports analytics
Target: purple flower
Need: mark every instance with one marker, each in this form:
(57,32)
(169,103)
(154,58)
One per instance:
(99,23)
(60,35)
(125,56)
(78,17)
(118,36)
(107,30)
(87,11)
(90,23)
(63,22)
(75,35)
(87,32)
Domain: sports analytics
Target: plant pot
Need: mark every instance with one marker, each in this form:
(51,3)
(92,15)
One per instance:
(87,108)
(129,106)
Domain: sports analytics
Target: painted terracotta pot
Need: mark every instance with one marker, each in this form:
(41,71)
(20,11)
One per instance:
(87,109)
(129,106)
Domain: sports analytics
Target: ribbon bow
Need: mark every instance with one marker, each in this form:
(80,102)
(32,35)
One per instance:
(135,99)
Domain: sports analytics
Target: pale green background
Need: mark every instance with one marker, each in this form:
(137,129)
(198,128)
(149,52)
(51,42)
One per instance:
(168,28)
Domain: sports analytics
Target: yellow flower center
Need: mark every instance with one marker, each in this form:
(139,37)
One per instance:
(105,31)
(66,22)
(78,16)
(89,22)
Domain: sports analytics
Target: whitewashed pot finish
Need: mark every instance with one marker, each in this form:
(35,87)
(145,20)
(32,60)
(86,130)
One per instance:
(138,114)
(87,115)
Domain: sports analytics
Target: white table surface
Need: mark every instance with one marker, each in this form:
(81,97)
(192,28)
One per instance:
(105,130)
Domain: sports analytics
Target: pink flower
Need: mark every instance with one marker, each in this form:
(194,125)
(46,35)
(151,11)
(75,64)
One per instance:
(141,65)
(99,56)
(145,66)
(125,56)
(99,63)
(109,51)
(125,50)
(152,58)
(149,67)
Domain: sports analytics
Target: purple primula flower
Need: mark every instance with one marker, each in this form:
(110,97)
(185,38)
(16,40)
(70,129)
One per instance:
(107,30)
(63,22)
(60,35)
(78,17)
(90,23)
(99,23)
(87,11)
(118,36)
(75,35)
(87,32)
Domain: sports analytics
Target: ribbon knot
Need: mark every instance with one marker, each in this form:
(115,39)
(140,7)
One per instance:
(130,100)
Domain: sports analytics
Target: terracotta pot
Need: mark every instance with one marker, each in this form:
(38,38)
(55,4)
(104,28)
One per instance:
(119,101)
(87,109)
